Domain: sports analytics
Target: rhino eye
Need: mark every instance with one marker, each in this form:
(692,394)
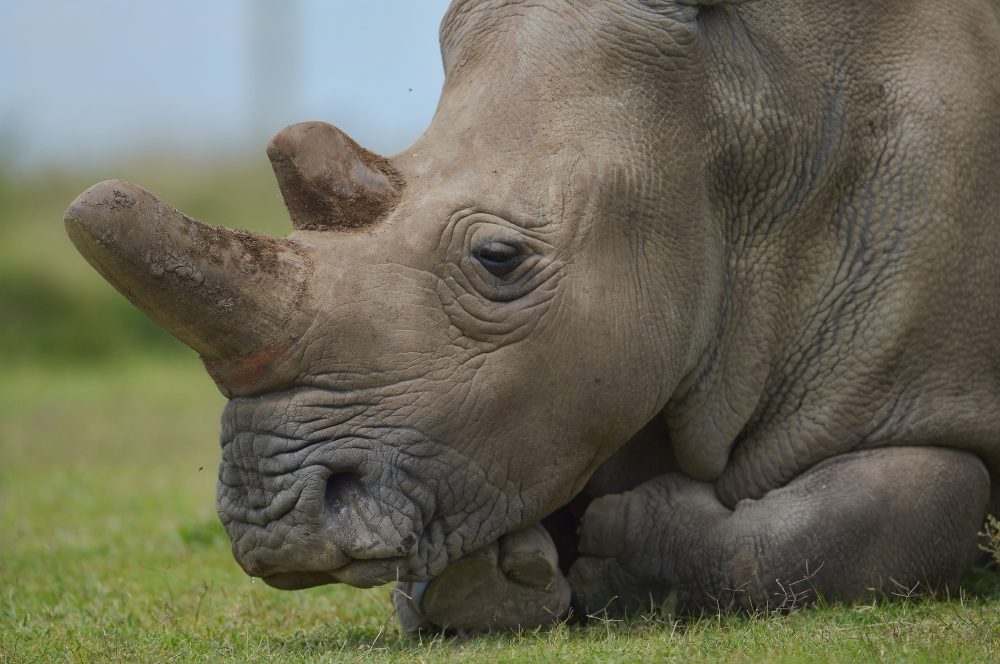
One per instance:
(499,258)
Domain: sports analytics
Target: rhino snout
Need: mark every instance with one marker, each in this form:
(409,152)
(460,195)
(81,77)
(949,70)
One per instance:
(315,525)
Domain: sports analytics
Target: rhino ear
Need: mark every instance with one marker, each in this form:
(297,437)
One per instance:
(328,181)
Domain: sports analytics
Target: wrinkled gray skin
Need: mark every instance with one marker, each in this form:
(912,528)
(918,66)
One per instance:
(730,268)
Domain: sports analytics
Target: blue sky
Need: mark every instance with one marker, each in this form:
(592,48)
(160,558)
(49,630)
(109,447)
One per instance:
(101,80)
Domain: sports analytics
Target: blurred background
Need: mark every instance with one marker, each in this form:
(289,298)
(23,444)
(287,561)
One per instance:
(94,82)
(181,98)
(108,426)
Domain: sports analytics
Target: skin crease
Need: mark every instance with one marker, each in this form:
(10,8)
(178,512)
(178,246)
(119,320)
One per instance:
(759,234)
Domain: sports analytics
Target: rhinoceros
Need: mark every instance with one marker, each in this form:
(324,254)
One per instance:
(675,301)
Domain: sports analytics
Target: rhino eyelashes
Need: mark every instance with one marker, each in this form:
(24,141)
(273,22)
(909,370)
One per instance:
(499,258)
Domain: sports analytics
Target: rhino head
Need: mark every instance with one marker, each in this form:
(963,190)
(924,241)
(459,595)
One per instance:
(455,337)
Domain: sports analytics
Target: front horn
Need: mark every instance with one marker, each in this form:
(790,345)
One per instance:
(228,294)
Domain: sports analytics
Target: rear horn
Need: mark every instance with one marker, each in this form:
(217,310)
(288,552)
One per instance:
(328,181)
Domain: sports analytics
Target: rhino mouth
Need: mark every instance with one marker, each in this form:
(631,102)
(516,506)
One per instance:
(357,573)
(360,574)
(363,502)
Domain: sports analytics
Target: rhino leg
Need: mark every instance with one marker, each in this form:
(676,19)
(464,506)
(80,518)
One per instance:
(512,584)
(890,521)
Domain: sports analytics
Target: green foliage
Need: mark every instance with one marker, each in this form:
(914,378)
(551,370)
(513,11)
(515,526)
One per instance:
(51,321)
(991,538)
(205,534)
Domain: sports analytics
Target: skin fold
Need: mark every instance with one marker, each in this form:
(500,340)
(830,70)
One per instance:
(709,290)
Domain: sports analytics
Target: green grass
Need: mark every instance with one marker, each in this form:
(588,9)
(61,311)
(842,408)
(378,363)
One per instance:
(110,549)
(112,552)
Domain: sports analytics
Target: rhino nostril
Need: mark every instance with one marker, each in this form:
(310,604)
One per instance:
(343,491)
(358,524)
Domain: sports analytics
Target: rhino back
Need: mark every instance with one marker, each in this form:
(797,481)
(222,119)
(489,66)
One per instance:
(854,148)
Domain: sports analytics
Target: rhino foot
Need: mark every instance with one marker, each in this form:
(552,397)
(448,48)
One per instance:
(511,584)
(868,524)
